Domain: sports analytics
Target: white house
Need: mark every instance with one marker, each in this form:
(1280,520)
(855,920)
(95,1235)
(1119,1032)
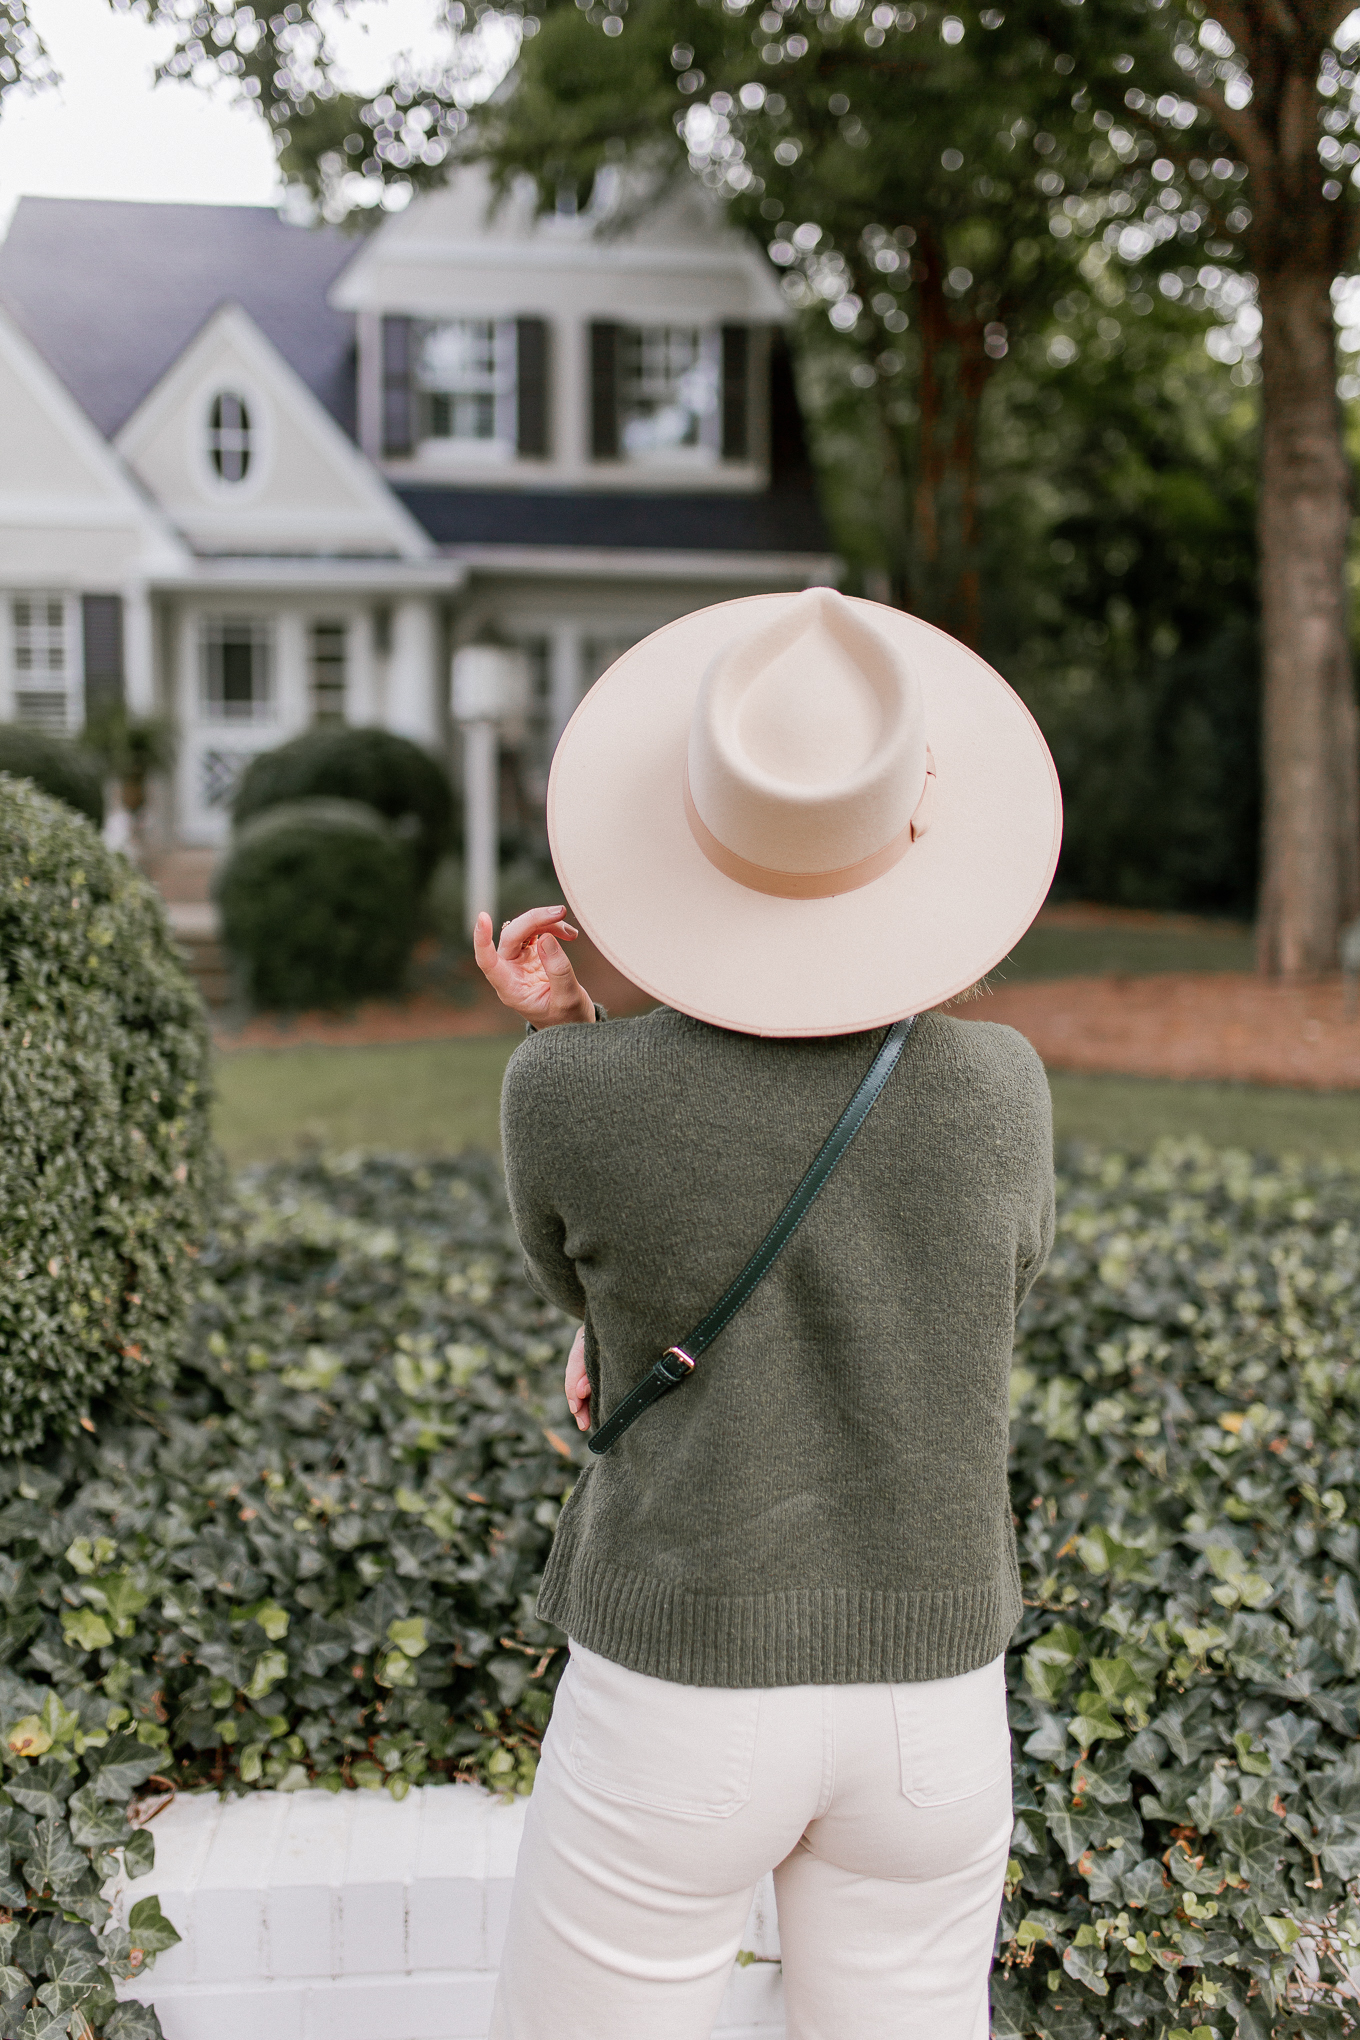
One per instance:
(254,475)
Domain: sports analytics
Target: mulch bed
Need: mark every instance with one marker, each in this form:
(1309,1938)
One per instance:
(1216,1026)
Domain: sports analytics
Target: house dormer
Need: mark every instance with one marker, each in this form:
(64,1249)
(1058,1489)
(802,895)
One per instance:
(497,348)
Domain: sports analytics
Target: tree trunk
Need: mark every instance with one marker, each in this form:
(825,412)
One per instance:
(1312,796)
(954,368)
(974,370)
(896,531)
(933,331)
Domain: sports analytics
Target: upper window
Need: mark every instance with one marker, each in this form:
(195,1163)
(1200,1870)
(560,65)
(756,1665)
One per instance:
(41,648)
(237,669)
(229,438)
(668,390)
(465,380)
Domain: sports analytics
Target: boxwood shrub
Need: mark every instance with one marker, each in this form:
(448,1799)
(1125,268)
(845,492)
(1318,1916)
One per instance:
(319,905)
(105,1151)
(314,1563)
(62,769)
(381,770)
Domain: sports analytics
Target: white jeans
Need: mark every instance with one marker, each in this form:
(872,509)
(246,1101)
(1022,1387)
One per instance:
(884,1811)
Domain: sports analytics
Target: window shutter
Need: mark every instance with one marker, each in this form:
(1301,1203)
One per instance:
(101,618)
(398,406)
(604,392)
(531,367)
(736,393)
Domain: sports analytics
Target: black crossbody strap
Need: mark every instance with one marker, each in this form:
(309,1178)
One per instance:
(677,1363)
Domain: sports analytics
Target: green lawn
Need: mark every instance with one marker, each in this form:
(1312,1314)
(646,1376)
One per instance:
(441,1097)
(1053,952)
(435,1097)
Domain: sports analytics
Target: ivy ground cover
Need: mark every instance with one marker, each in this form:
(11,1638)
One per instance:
(312,1562)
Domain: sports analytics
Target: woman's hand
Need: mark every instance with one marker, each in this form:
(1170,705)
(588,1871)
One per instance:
(578,1382)
(529,970)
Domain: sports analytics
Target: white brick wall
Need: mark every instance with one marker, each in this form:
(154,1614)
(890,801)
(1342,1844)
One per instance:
(350,1916)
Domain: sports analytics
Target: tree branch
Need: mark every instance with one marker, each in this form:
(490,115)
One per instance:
(1234,22)
(1284,21)
(1242,128)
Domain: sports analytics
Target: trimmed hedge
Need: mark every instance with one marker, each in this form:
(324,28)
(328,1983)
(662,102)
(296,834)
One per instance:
(106,1161)
(315,1562)
(69,774)
(383,771)
(319,905)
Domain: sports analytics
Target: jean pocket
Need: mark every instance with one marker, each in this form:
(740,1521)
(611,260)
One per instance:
(953,1735)
(669,1748)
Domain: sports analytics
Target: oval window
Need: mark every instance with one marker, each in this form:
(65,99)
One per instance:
(229,436)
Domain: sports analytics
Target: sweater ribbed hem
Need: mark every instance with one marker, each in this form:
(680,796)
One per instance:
(813,1636)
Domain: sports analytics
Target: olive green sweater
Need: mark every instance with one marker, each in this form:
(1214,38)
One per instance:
(824,1501)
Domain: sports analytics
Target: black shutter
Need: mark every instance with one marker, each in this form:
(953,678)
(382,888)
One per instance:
(101,619)
(531,359)
(790,462)
(398,404)
(736,405)
(604,392)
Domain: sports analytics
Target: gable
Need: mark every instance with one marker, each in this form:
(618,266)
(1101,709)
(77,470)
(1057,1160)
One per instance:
(69,513)
(111,292)
(306,488)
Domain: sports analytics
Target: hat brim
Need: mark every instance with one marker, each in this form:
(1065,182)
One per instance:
(694,939)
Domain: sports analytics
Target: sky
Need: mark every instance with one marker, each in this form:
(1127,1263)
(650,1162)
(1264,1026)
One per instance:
(109,132)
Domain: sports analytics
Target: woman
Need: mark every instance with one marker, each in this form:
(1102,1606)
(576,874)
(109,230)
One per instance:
(789,1586)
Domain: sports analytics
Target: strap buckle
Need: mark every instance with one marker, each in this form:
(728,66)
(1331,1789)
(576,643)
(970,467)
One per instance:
(676,1375)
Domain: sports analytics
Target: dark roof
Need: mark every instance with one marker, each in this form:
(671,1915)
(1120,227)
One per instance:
(781,520)
(112,292)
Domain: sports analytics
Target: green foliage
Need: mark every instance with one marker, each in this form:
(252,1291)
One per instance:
(313,1562)
(56,767)
(105,1150)
(319,904)
(1184,1685)
(383,771)
(130,747)
(1121,597)
(522,882)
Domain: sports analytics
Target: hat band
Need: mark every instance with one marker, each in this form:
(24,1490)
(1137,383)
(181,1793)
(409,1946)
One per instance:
(796,885)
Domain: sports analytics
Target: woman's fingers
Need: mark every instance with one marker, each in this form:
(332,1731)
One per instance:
(577,1382)
(516,935)
(483,945)
(567,999)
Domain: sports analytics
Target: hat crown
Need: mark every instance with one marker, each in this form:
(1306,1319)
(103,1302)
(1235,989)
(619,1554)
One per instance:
(807,745)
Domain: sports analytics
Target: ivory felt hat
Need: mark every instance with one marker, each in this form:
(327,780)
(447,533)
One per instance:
(803,814)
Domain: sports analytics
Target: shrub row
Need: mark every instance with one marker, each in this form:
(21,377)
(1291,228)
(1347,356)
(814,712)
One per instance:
(105,1149)
(319,904)
(315,1561)
(1186,1679)
(55,767)
(338,834)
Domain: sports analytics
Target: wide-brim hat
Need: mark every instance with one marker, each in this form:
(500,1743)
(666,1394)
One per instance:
(803,814)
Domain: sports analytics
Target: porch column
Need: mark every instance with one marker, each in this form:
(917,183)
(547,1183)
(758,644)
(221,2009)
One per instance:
(412,703)
(139,657)
(564,678)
